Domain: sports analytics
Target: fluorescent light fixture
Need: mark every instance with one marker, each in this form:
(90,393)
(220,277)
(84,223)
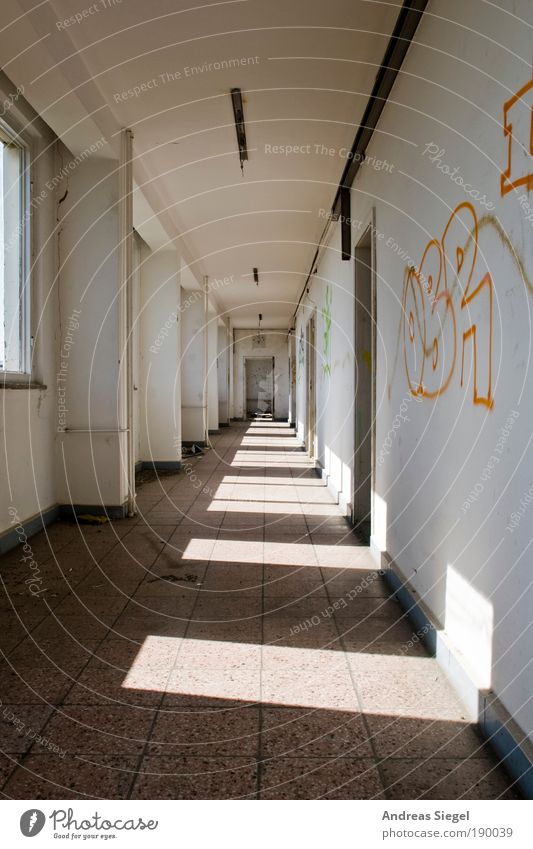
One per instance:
(238,114)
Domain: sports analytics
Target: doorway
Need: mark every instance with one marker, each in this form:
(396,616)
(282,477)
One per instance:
(259,387)
(292,380)
(364,350)
(310,357)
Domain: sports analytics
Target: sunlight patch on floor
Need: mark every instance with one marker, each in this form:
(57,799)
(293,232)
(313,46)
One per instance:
(289,676)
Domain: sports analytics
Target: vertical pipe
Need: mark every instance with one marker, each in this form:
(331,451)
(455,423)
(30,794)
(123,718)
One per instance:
(229,364)
(206,355)
(126,284)
(346,231)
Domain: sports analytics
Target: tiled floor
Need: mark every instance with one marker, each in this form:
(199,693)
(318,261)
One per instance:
(234,640)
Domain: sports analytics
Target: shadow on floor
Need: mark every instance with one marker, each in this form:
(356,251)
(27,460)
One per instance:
(232,641)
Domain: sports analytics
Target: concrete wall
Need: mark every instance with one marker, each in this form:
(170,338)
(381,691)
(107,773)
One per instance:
(92,451)
(160,357)
(224,360)
(331,302)
(192,365)
(136,341)
(451,485)
(29,416)
(277,347)
(212,372)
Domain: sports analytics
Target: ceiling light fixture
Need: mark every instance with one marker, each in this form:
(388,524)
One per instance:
(256,277)
(238,114)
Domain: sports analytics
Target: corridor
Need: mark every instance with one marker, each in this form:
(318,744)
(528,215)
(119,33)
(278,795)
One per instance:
(233,640)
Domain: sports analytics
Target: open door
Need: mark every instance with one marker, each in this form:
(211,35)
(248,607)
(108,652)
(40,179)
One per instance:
(364,384)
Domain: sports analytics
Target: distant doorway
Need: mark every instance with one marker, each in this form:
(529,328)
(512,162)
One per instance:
(364,384)
(259,387)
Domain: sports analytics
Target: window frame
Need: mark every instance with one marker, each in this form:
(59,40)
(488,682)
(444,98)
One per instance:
(10,135)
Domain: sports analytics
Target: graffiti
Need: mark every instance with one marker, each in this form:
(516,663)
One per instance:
(518,130)
(326,318)
(430,317)
(487,222)
(301,353)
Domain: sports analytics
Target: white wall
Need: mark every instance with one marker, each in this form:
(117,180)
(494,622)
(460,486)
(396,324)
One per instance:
(28,419)
(224,359)
(160,356)
(277,347)
(231,353)
(212,372)
(437,445)
(192,365)
(292,379)
(91,466)
(136,343)
(330,291)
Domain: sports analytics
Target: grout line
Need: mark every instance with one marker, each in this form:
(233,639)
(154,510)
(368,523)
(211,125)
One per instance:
(370,736)
(261,717)
(56,707)
(174,666)
(228,450)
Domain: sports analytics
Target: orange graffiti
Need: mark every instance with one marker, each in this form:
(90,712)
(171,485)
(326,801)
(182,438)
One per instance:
(519,135)
(487,399)
(431,334)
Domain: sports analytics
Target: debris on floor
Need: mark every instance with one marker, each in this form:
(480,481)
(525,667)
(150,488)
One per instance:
(90,519)
(175,579)
(192,450)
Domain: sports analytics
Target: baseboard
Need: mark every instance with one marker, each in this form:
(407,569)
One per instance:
(508,741)
(112,511)
(159,465)
(9,539)
(223,424)
(213,431)
(339,497)
(483,707)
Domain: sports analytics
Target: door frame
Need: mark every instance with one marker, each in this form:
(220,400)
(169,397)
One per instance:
(310,385)
(245,358)
(368,229)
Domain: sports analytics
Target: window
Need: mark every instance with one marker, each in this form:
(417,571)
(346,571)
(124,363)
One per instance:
(14,291)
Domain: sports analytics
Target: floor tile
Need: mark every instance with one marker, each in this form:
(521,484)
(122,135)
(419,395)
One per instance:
(163,777)
(402,737)
(204,733)
(316,778)
(445,778)
(292,732)
(72,777)
(19,724)
(101,730)
(225,639)
(31,685)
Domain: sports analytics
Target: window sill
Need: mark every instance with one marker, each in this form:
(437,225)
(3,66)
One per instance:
(20,384)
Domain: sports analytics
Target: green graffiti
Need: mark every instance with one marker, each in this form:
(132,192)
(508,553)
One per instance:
(326,318)
(301,353)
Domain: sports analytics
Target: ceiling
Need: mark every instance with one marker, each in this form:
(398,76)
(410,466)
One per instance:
(308,69)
